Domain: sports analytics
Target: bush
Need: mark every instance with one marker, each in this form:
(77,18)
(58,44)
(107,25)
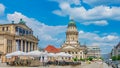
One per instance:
(75,59)
(82,59)
(90,58)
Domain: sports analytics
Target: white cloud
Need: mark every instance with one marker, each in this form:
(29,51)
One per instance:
(80,14)
(2,9)
(110,37)
(95,39)
(101,22)
(76,2)
(47,34)
(102,2)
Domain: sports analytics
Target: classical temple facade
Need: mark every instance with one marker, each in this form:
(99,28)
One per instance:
(72,44)
(16,37)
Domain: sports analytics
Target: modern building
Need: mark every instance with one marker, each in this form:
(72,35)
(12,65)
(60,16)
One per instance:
(72,44)
(116,50)
(93,51)
(16,37)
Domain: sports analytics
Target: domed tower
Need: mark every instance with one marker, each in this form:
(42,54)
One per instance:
(72,45)
(71,35)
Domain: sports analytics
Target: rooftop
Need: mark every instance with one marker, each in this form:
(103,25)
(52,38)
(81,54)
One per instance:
(52,49)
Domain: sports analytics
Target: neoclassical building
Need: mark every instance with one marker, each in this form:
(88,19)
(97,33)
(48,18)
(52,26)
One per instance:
(16,37)
(93,51)
(72,45)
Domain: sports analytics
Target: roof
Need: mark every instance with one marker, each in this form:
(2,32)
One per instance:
(72,23)
(52,49)
(16,24)
(118,45)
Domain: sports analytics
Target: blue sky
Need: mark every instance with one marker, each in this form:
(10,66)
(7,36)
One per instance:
(98,21)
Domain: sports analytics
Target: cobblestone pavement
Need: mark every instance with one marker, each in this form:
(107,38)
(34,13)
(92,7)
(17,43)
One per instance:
(83,65)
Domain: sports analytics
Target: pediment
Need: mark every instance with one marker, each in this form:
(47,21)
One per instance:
(67,47)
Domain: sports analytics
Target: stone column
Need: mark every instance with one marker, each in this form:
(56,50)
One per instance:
(28,46)
(21,45)
(5,46)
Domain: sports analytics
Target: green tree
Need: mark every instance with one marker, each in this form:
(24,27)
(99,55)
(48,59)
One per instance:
(114,58)
(118,58)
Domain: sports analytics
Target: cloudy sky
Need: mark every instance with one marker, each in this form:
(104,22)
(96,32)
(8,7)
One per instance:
(98,21)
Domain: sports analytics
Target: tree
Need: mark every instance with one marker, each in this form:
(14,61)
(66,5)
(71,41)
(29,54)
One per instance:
(114,58)
(118,58)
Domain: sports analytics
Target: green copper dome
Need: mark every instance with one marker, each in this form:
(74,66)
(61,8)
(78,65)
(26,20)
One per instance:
(21,21)
(71,23)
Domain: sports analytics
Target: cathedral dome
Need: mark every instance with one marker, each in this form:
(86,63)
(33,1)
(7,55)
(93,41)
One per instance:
(71,23)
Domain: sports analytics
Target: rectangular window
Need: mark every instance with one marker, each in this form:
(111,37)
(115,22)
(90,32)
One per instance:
(9,46)
(26,32)
(3,28)
(76,52)
(16,29)
(6,28)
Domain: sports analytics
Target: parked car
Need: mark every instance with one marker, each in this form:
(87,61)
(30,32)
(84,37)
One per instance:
(118,65)
(115,64)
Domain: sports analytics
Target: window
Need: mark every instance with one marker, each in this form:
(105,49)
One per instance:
(72,52)
(26,32)
(69,52)
(20,30)
(16,29)
(29,32)
(6,28)
(3,28)
(9,46)
(76,52)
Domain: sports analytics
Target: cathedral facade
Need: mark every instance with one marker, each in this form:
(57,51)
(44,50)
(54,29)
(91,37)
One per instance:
(72,44)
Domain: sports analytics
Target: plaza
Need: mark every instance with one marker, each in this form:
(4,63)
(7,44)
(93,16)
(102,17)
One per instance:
(83,65)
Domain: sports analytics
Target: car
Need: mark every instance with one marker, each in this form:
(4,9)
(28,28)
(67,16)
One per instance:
(118,65)
(115,64)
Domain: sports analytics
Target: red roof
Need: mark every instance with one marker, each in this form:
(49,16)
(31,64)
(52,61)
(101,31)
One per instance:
(52,49)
